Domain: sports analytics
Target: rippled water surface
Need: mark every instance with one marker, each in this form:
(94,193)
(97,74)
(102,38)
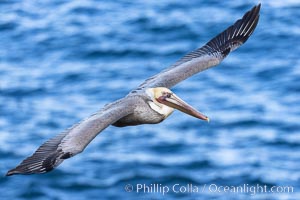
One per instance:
(60,61)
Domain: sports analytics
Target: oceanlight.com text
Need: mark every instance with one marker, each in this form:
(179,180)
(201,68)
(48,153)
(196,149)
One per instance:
(211,188)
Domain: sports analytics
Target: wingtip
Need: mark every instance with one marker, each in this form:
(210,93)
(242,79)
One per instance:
(12,172)
(16,171)
(257,7)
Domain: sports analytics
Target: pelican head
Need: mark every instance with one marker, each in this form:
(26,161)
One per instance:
(164,101)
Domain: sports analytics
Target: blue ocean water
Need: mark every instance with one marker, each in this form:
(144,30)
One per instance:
(61,61)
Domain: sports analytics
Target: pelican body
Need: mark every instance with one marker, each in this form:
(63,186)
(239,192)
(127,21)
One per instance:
(150,103)
(154,107)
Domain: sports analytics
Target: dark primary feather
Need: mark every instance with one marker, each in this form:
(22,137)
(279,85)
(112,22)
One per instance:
(211,54)
(44,159)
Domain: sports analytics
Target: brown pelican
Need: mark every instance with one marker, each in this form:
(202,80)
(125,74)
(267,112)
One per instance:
(150,103)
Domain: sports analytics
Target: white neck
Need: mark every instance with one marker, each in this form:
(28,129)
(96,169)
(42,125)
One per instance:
(161,109)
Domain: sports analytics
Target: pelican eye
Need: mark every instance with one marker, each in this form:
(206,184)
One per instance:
(166,94)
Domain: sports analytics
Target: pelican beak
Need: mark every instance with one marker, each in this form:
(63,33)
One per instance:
(175,102)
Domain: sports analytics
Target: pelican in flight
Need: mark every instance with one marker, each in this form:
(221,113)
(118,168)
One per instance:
(150,103)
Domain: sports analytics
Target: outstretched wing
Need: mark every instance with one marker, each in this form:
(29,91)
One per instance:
(209,55)
(74,140)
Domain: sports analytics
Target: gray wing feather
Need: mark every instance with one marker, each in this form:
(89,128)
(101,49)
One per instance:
(73,140)
(209,55)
